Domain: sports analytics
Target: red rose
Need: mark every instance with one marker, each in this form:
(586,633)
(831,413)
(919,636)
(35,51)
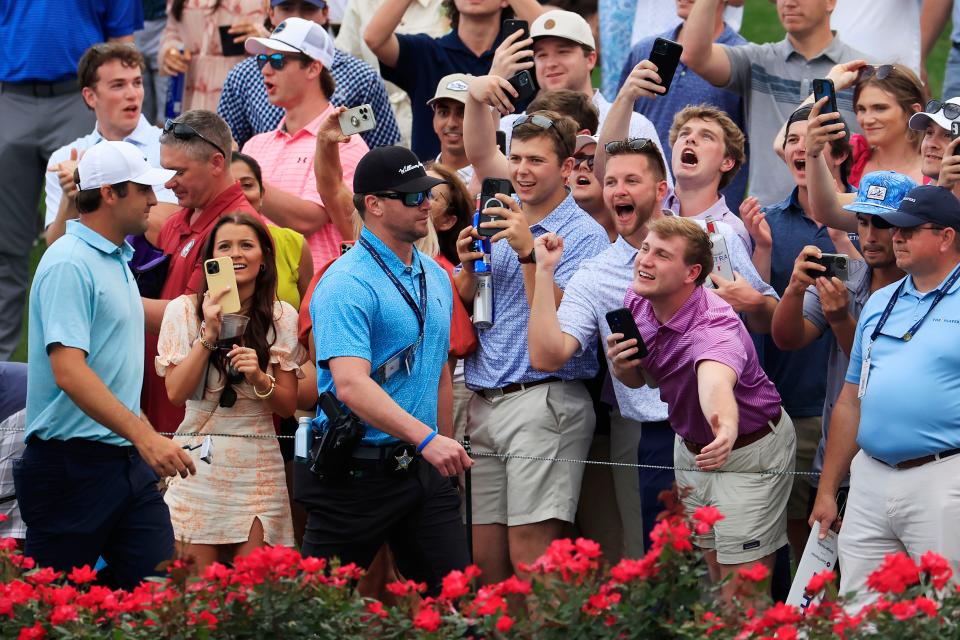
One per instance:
(504,624)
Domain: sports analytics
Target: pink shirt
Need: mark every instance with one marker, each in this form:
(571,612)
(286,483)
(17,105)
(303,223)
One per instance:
(287,164)
(704,328)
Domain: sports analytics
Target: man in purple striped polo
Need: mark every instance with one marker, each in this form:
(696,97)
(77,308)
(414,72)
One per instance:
(724,409)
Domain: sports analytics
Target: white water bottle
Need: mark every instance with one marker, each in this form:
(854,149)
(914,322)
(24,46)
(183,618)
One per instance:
(303,439)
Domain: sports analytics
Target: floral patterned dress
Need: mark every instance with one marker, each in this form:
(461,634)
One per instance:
(246,477)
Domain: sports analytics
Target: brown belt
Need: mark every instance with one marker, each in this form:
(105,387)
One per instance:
(922,460)
(516,386)
(740,442)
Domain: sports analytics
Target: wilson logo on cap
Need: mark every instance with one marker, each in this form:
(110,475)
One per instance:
(410,167)
(876,192)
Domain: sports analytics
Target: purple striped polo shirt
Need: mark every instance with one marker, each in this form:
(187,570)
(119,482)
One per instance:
(704,328)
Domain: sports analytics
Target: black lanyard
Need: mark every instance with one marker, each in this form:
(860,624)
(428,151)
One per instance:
(421,310)
(912,331)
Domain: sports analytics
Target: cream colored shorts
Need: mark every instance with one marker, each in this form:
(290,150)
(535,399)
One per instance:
(553,420)
(754,505)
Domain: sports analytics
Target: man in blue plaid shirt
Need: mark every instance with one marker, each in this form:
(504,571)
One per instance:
(245,107)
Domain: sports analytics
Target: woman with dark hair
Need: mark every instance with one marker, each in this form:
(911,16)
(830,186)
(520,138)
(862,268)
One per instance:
(294,260)
(239,500)
(451,210)
(191,44)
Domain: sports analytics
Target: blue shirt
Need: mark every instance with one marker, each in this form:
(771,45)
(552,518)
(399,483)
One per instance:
(84,297)
(502,357)
(688,89)
(145,137)
(911,407)
(799,375)
(246,108)
(357,312)
(44,39)
(421,63)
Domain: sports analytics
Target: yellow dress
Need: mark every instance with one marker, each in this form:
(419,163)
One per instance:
(246,479)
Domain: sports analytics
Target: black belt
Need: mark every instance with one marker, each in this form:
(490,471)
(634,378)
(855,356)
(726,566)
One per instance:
(396,458)
(40,89)
(516,386)
(922,460)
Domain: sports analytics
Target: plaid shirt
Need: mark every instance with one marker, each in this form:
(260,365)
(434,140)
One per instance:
(246,108)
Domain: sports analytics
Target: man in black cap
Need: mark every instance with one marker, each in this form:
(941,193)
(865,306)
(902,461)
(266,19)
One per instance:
(381,324)
(896,424)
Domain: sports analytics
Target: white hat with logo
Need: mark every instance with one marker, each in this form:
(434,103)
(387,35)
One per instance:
(452,87)
(558,23)
(113,162)
(296,35)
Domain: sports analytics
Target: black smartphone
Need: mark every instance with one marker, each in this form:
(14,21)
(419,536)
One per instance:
(525,84)
(954,130)
(621,321)
(837,264)
(823,87)
(509,26)
(666,55)
(227,45)
(502,141)
(488,199)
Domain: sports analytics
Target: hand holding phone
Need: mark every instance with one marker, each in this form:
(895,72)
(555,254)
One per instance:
(823,88)
(621,321)
(357,120)
(488,200)
(220,276)
(524,83)
(837,266)
(666,55)
(512,26)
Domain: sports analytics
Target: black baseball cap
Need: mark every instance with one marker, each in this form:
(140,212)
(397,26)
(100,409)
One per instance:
(391,169)
(921,205)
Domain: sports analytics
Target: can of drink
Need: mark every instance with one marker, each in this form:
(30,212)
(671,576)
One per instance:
(483,301)
(175,86)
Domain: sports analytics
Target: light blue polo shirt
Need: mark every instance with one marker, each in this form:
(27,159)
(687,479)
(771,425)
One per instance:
(85,297)
(911,407)
(358,312)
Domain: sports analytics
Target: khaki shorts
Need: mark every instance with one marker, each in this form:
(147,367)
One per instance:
(808,439)
(553,420)
(754,505)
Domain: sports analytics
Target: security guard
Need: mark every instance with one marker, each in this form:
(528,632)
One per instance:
(381,323)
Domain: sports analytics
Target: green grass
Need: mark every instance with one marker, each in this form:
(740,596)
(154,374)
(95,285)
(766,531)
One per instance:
(760,24)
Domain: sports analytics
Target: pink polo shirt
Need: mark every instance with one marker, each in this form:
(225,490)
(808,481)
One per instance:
(704,328)
(287,163)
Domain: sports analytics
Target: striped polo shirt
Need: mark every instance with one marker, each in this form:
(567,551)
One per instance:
(704,328)
(287,164)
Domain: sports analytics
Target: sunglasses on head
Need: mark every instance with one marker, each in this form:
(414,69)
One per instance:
(276,60)
(541,121)
(183,131)
(950,111)
(408,199)
(633,144)
(881,72)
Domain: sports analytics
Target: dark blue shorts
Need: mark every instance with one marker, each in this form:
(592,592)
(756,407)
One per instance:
(82,500)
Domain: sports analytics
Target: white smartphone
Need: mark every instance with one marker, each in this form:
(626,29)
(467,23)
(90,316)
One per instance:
(219,272)
(357,120)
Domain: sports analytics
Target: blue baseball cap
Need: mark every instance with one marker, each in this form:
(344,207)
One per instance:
(935,205)
(881,192)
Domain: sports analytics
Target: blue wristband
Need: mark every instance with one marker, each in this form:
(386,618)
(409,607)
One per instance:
(426,441)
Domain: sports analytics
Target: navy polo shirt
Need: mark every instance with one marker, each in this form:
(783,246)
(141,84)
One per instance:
(45,38)
(798,374)
(423,61)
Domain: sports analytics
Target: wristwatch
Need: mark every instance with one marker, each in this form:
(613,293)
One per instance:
(530,259)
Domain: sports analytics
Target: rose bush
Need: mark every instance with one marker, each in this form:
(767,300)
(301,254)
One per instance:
(275,593)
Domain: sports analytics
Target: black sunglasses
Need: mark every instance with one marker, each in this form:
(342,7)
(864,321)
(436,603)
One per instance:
(408,199)
(880,71)
(183,131)
(634,144)
(950,111)
(276,60)
(580,158)
(541,121)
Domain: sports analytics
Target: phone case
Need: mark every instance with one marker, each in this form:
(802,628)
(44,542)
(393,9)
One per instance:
(357,120)
(524,83)
(621,321)
(489,187)
(222,277)
(509,26)
(666,55)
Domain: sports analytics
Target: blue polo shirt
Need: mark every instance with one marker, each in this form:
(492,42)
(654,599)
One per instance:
(798,374)
(84,297)
(358,312)
(423,61)
(44,39)
(911,407)
(688,89)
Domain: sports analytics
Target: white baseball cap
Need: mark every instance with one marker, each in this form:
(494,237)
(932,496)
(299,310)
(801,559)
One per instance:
(453,87)
(296,35)
(563,24)
(583,140)
(110,162)
(920,120)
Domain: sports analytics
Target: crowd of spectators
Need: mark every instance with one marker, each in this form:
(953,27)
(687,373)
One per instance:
(789,262)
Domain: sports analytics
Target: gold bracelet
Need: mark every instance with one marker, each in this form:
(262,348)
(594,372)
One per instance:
(206,345)
(273,387)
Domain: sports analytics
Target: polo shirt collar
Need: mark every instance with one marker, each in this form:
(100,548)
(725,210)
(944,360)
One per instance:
(833,51)
(626,251)
(97,241)
(688,311)
(393,262)
(216,207)
(144,135)
(453,42)
(909,289)
(311,127)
